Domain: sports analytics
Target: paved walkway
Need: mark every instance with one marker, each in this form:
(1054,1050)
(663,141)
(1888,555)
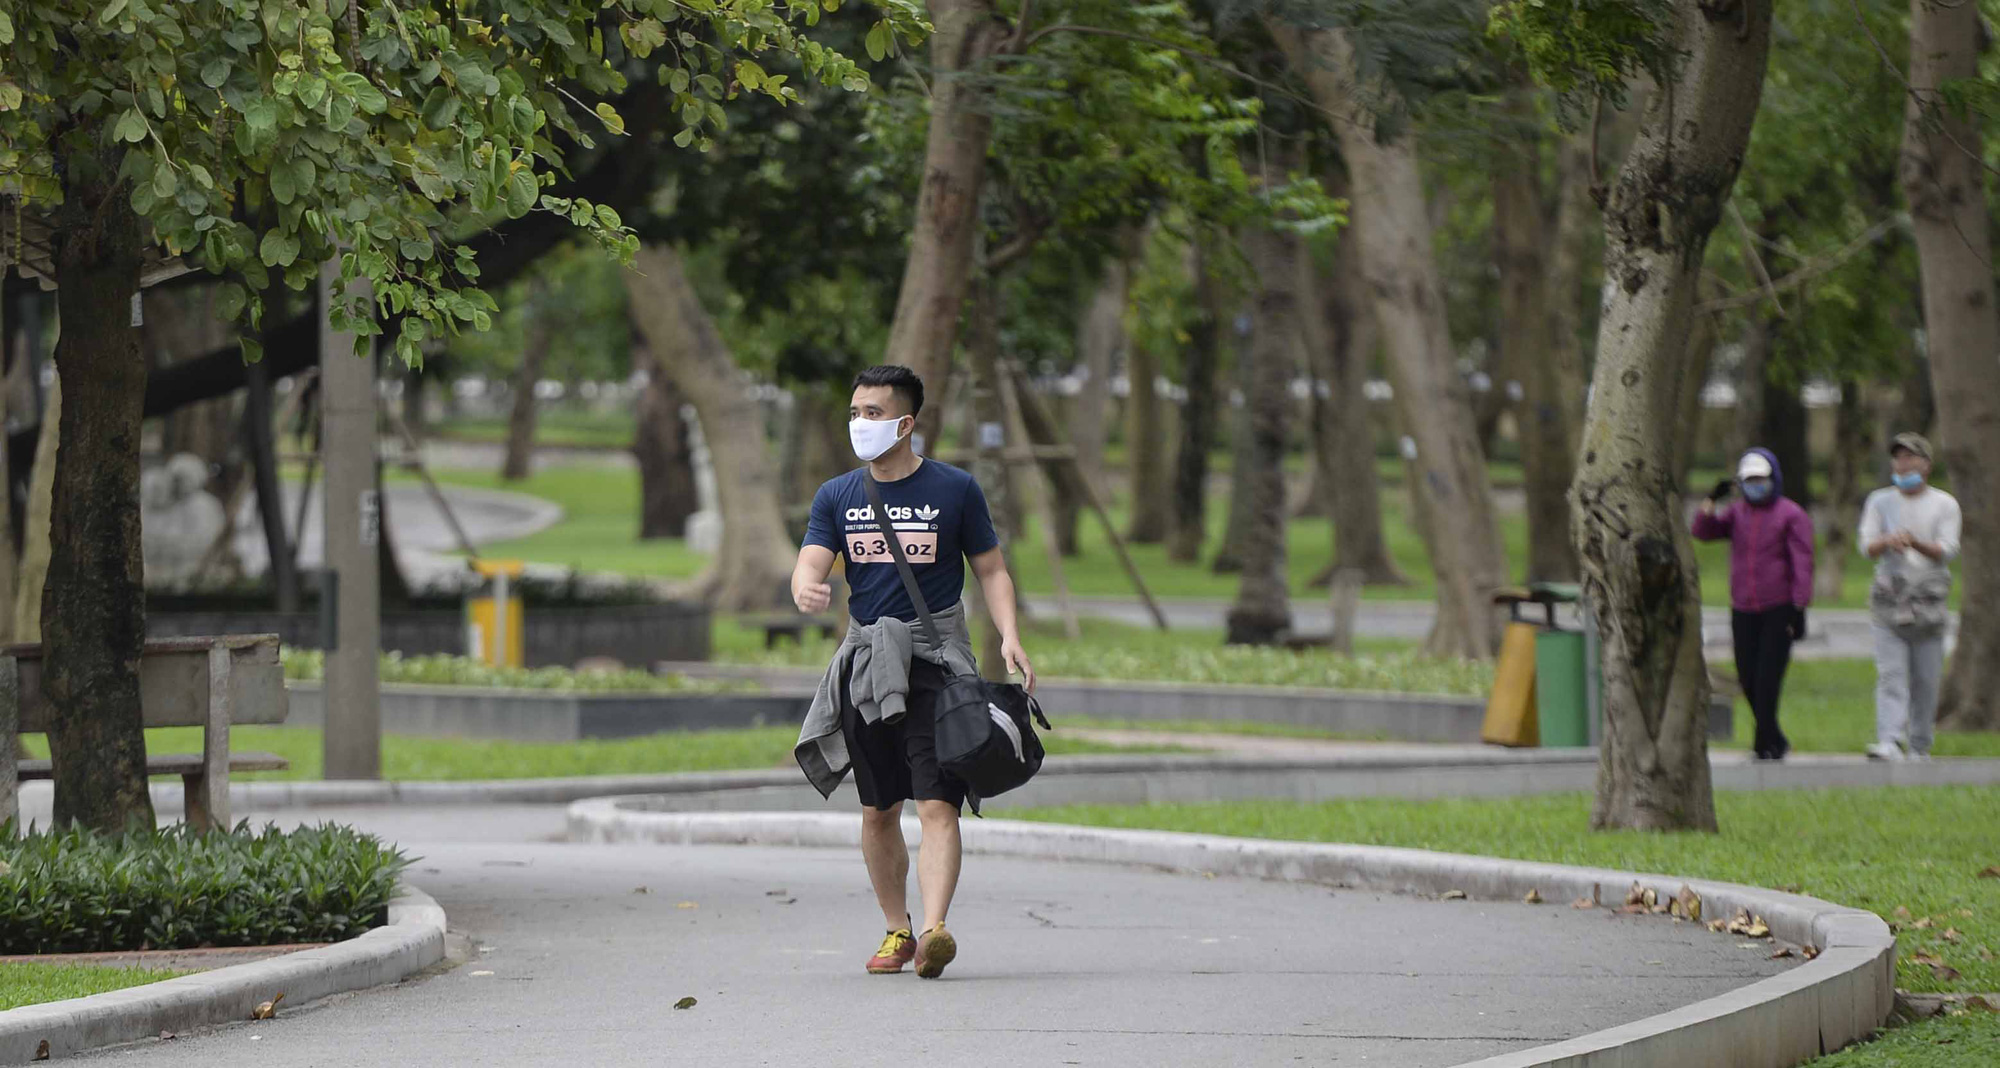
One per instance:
(425,542)
(1061,964)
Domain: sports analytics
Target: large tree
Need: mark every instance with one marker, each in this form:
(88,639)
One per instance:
(1638,562)
(1944,182)
(259,141)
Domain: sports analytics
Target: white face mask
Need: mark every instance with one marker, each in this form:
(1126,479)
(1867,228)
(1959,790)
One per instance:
(873,437)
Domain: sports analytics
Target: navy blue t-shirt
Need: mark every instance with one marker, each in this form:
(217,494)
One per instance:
(940,516)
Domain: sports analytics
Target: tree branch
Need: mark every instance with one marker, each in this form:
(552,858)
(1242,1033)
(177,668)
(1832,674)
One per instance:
(1812,269)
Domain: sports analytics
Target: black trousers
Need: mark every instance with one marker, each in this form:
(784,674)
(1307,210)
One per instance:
(1763,652)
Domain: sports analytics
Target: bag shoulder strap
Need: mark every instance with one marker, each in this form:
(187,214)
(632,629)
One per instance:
(902,562)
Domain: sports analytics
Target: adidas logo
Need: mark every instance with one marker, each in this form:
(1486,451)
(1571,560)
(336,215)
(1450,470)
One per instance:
(927,513)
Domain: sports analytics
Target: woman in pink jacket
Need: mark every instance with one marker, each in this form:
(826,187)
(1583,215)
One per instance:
(1770,583)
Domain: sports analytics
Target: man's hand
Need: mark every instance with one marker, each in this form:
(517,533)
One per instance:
(812,597)
(1797,626)
(1721,489)
(1017,662)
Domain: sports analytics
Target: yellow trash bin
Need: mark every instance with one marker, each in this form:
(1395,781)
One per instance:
(1510,708)
(494,620)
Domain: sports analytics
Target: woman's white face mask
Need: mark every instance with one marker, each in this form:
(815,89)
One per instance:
(873,437)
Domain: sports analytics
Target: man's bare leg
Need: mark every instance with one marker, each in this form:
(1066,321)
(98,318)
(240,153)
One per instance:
(937,859)
(888,858)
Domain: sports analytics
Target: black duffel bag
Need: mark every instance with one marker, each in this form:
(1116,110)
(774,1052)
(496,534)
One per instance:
(985,730)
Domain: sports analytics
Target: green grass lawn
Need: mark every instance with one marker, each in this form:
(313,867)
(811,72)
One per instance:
(1915,849)
(454,759)
(1966,1040)
(599,532)
(33,984)
(553,426)
(1829,707)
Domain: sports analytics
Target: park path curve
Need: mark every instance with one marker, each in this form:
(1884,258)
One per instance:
(577,954)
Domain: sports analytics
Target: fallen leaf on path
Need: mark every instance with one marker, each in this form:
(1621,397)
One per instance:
(1689,903)
(641,890)
(1718,926)
(1631,910)
(1781,952)
(1533,897)
(267,1009)
(1660,910)
(1757,929)
(1452,895)
(168,1036)
(1951,934)
(1809,952)
(776,893)
(42,1051)
(687,905)
(1649,899)
(789,901)
(1583,903)
(685,1003)
(1635,895)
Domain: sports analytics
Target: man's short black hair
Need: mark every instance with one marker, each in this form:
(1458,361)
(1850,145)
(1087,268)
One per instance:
(897,377)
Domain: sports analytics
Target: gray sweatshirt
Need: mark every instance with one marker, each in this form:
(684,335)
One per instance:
(875,661)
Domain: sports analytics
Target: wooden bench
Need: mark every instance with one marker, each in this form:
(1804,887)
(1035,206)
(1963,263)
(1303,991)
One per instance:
(209,683)
(790,626)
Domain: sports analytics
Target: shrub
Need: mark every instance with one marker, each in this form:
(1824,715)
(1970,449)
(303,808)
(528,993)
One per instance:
(309,665)
(80,891)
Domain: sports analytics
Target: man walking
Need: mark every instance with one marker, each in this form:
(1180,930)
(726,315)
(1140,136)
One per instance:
(875,710)
(1911,530)
(1770,584)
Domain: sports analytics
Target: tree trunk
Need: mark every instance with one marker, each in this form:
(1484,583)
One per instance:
(1262,614)
(666,464)
(259,443)
(94,603)
(1228,559)
(982,344)
(10,560)
(1394,231)
(939,267)
(1146,448)
(34,573)
(416,414)
(1916,407)
(1703,334)
(520,459)
(1203,356)
(753,571)
(1345,440)
(1942,180)
(1784,433)
(1527,334)
(1100,341)
(1638,561)
(1855,448)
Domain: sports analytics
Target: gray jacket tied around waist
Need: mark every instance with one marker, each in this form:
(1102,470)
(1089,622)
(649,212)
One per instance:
(875,660)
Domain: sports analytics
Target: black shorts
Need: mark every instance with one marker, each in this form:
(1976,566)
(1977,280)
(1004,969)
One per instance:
(895,762)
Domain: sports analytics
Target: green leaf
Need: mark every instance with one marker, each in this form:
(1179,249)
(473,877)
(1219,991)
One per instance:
(131,127)
(558,33)
(678,80)
(608,215)
(229,300)
(216,72)
(611,119)
(521,192)
(10,96)
(6,29)
(311,91)
(253,349)
(303,174)
(684,138)
(262,114)
(440,108)
(165,181)
(366,96)
(111,11)
(878,42)
(278,249)
(201,176)
(284,185)
(645,36)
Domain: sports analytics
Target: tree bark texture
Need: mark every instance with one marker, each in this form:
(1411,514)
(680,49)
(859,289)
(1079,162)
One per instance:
(1339,351)
(1228,558)
(1197,437)
(666,463)
(1944,184)
(94,603)
(1100,343)
(1703,335)
(1262,612)
(982,344)
(1527,350)
(752,573)
(939,267)
(261,446)
(1147,452)
(1393,227)
(1855,449)
(520,456)
(1638,561)
(34,573)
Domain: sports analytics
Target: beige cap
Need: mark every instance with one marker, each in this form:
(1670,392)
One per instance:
(1913,443)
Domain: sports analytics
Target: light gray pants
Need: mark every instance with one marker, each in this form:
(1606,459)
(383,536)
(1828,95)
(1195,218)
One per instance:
(1909,665)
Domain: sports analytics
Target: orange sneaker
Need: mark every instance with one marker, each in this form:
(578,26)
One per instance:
(936,949)
(896,950)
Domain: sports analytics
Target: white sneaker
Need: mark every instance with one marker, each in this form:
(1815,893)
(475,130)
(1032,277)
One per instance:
(1885,751)
(1920,758)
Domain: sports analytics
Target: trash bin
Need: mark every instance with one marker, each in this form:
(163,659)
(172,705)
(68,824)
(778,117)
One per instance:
(494,620)
(1562,705)
(1512,716)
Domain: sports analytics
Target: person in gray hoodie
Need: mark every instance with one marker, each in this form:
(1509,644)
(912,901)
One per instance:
(1911,530)
(875,710)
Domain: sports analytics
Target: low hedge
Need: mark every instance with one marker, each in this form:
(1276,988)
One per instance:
(80,891)
(309,665)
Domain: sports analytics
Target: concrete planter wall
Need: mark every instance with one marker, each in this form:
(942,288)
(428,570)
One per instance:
(635,635)
(551,716)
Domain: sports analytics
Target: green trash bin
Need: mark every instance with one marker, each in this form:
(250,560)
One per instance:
(1562,705)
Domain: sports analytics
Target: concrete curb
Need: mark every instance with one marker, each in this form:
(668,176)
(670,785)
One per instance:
(412,940)
(1824,1004)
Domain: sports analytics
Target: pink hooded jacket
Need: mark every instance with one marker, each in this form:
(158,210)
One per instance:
(1770,548)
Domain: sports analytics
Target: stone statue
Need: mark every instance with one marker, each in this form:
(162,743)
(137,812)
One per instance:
(179,520)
